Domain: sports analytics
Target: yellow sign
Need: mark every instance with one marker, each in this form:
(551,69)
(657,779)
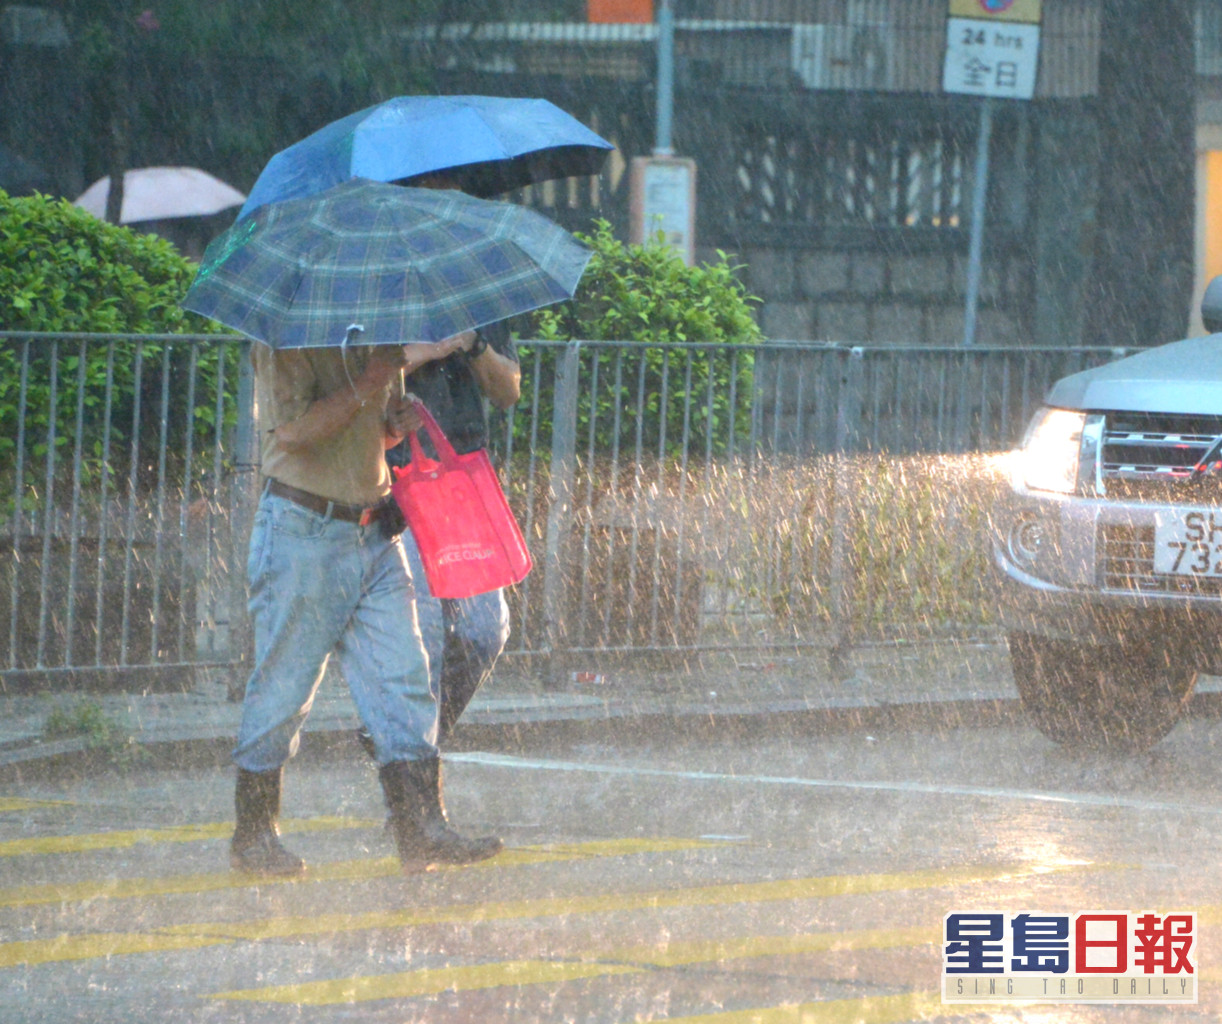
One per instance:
(997,10)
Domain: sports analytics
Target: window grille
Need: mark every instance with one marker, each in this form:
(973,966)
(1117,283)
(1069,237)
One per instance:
(847,179)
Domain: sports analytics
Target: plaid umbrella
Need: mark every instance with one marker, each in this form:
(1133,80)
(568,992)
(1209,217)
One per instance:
(394,264)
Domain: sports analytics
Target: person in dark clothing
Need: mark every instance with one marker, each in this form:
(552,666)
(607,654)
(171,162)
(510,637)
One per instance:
(463,637)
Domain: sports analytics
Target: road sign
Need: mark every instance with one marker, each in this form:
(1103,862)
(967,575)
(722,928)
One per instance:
(991,58)
(992,51)
(662,197)
(997,10)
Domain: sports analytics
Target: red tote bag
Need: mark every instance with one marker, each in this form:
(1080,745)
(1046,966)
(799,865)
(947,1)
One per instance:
(469,541)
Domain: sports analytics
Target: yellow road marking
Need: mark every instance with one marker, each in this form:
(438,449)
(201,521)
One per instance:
(384,867)
(821,887)
(681,954)
(136,888)
(589,964)
(16,803)
(906,1006)
(175,834)
(98,945)
(429,982)
(45,951)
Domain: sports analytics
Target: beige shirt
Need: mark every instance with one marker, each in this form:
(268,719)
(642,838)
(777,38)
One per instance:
(350,466)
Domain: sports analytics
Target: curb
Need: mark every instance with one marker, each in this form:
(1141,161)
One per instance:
(509,731)
(71,758)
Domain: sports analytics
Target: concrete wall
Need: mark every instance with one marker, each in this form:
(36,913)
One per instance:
(882,298)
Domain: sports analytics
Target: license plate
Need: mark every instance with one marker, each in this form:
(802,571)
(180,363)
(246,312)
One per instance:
(1188,543)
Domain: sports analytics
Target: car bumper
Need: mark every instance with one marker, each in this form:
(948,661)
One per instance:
(1059,593)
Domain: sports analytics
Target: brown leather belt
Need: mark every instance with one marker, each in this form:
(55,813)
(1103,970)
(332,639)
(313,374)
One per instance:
(323,506)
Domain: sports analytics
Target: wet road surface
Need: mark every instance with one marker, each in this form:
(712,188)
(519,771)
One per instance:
(776,877)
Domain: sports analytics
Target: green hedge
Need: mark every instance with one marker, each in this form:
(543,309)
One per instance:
(647,294)
(64,270)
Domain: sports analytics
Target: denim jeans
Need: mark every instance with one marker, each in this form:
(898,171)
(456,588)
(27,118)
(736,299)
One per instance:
(464,638)
(320,586)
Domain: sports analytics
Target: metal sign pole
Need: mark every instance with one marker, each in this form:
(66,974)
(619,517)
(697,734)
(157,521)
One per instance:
(979,190)
(992,50)
(666,79)
(662,187)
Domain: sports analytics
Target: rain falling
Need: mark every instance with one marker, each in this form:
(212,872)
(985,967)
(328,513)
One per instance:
(817,621)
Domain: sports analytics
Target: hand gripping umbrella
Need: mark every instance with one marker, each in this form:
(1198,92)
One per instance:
(397,264)
(487,145)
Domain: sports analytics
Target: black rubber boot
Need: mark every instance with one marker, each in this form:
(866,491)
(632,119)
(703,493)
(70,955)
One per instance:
(255,846)
(418,820)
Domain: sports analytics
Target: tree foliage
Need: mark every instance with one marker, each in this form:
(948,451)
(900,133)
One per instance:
(227,84)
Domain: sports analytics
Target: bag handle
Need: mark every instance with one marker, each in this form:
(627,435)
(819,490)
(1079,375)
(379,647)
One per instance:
(445,450)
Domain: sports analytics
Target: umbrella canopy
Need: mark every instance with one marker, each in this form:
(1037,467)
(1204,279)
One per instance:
(395,264)
(161,193)
(487,145)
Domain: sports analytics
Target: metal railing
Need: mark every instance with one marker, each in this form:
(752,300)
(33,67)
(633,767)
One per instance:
(685,498)
(676,498)
(118,488)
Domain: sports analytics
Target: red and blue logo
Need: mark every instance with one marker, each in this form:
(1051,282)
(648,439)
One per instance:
(1087,957)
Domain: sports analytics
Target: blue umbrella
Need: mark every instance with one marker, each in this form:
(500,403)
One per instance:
(383,265)
(486,145)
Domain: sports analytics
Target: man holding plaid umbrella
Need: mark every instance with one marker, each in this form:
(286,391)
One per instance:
(331,285)
(327,574)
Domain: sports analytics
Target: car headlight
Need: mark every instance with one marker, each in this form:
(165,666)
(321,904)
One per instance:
(1051,451)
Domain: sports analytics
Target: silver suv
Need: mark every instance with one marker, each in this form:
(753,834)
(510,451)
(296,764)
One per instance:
(1109,544)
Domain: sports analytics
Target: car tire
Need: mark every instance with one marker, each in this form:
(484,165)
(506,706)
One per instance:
(1123,697)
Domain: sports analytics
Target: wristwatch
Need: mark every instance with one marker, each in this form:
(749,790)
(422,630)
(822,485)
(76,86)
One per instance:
(477,346)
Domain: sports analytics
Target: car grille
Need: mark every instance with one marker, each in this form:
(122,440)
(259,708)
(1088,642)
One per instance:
(1125,563)
(1150,457)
